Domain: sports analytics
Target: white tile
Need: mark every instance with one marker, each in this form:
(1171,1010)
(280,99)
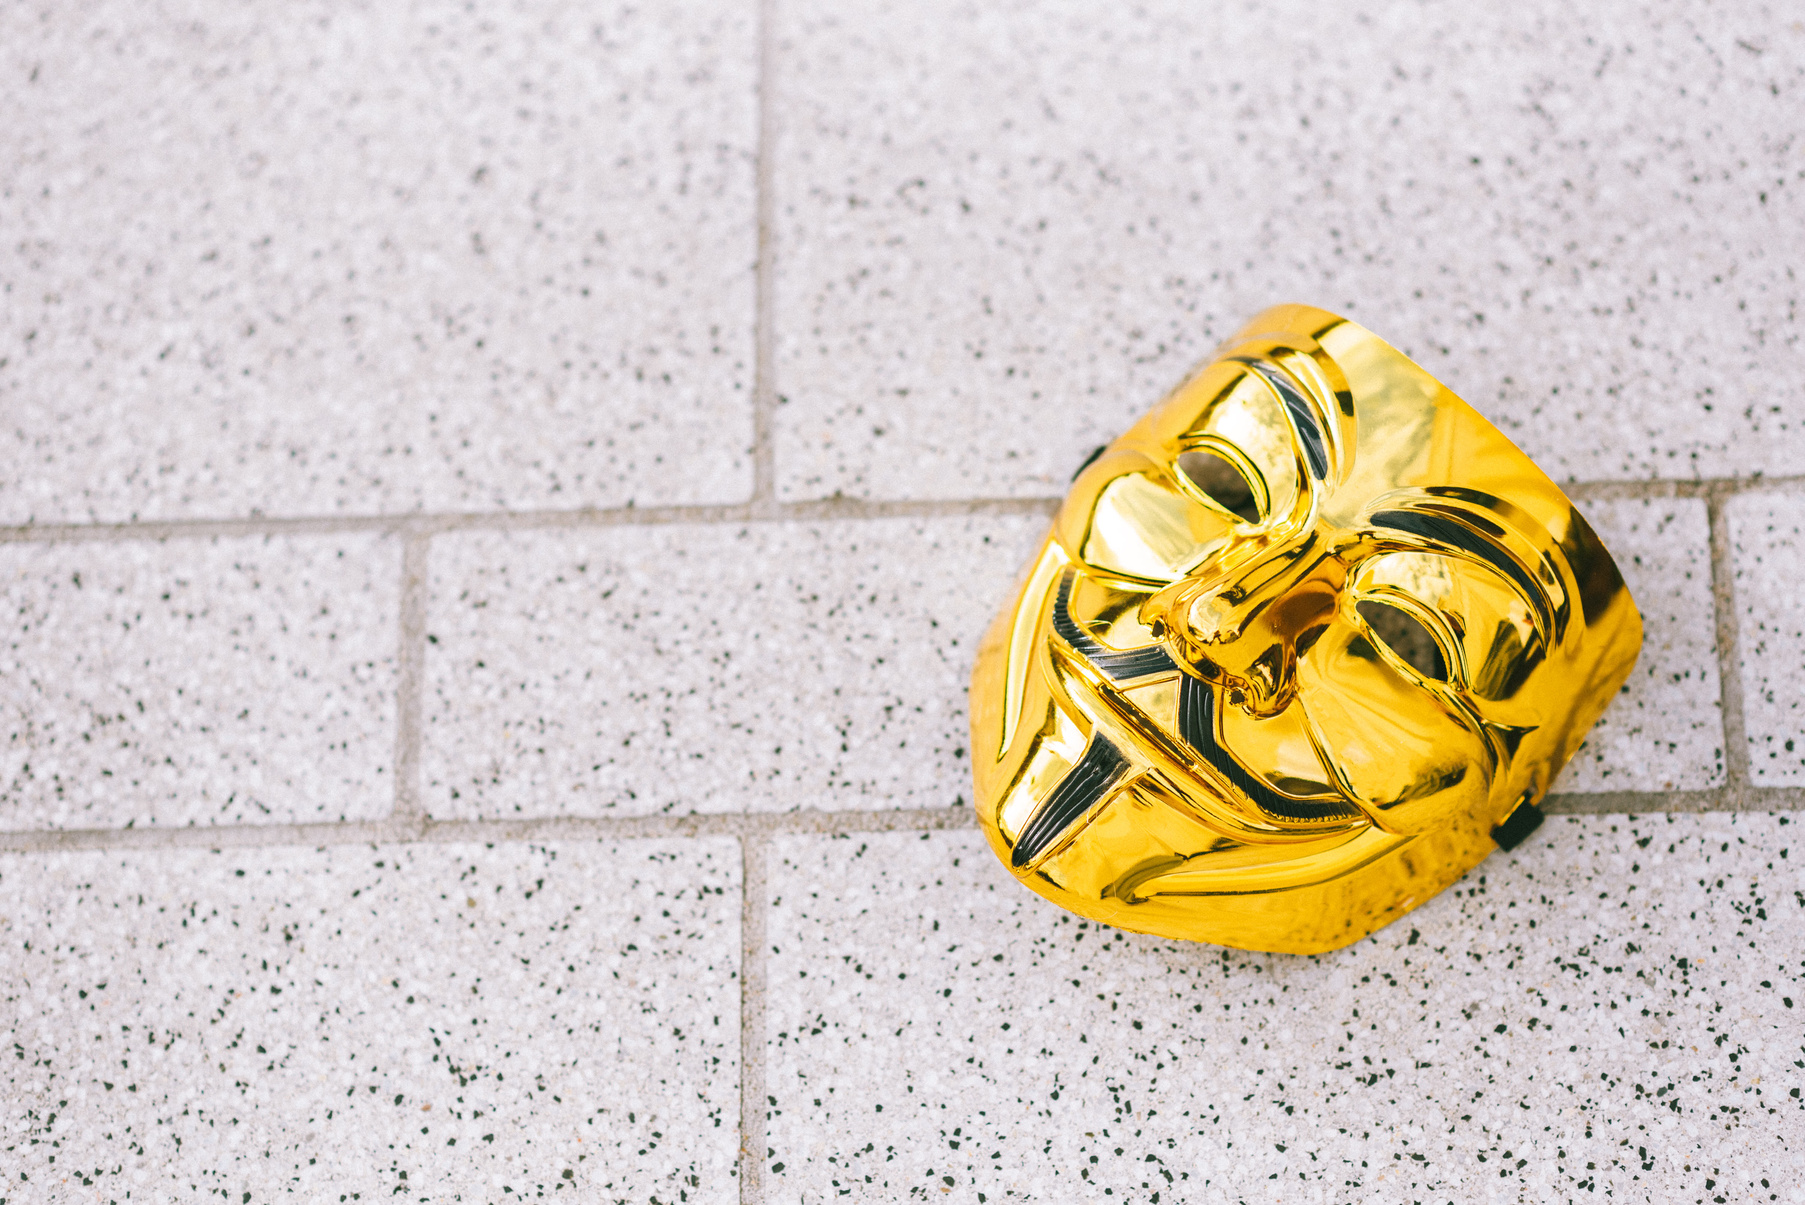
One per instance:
(1004,230)
(1613,1008)
(317,258)
(1767,537)
(462,1022)
(1664,732)
(687,668)
(196,681)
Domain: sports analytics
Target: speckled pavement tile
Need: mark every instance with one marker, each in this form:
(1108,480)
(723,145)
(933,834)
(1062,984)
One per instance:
(1767,537)
(760,667)
(316,258)
(1664,732)
(1611,1013)
(198,681)
(1004,230)
(438,1023)
(297,287)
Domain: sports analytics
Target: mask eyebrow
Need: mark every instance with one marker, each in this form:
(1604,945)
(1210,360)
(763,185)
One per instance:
(1315,450)
(1447,531)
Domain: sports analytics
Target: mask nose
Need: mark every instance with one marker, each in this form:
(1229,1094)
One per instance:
(1242,622)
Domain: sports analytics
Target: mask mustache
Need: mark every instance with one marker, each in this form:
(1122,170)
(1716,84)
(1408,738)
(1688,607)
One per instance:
(1103,766)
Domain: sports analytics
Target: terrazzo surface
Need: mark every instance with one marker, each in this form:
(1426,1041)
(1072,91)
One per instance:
(1664,731)
(459,1022)
(321,259)
(497,507)
(701,669)
(1612,1010)
(1583,215)
(1769,537)
(200,681)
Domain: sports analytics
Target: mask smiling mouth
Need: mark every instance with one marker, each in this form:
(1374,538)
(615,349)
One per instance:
(1196,729)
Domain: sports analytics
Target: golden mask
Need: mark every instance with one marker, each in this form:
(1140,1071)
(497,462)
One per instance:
(1303,645)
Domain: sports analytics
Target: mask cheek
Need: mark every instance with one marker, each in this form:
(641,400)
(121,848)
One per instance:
(1409,761)
(1137,526)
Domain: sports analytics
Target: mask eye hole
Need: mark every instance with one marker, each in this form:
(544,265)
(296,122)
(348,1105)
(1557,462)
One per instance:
(1406,636)
(1220,482)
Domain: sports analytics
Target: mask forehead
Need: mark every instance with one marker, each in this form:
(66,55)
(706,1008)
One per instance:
(1412,432)
(1192,696)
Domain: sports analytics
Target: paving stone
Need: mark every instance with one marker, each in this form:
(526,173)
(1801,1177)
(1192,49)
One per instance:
(1613,1008)
(312,258)
(687,668)
(1004,230)
(1665,730)
(457,1022)
(1767,535)
(198,681)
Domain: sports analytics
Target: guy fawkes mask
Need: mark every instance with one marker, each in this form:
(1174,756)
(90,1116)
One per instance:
(1299,643)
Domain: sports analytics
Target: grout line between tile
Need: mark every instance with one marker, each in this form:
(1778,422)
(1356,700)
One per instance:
(767,510)
(733,824)
(753,1116)
(1711,800)
(764,337)
(1703,487)
(763,504)
(1729,659)
(410,658)
(821,510)
(1594,491)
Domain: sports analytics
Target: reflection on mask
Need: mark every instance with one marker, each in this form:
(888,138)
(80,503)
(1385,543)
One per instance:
(1302,645)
